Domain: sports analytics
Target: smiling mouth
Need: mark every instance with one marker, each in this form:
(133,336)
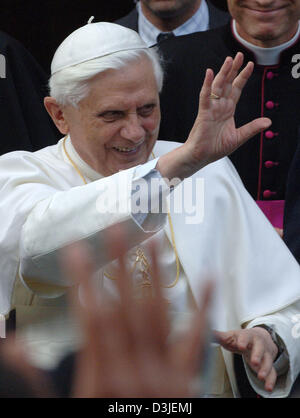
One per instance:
(268,10)
(128,149)
(124,149)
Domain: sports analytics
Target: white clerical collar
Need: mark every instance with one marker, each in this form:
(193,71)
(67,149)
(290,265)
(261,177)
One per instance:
(87,171)
(198,22)
(265,56)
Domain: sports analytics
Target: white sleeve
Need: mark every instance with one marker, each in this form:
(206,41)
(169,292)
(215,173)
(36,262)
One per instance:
(149,191)
(81,213)
(286,324)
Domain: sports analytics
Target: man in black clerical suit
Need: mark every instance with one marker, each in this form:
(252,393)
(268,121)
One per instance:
(25,125)
(292,209)
(267,32)
(155,19)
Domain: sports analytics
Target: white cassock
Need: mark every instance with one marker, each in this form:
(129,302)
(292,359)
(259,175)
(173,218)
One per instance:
(44,206)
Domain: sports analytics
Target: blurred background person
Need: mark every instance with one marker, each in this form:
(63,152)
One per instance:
(267,32)
(291,234)
(156,20)
(25,125)
(42,25)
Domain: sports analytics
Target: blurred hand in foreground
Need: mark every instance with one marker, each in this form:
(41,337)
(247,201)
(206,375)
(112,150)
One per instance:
(126,351)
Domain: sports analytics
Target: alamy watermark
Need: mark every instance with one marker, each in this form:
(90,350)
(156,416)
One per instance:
(156,195)
(2,66)
(296,67)
(2,326)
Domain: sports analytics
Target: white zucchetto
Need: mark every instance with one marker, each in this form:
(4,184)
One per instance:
(92,41)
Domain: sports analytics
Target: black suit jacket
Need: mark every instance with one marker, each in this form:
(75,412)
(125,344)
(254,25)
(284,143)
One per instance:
(25,124)
(292,208)
(216,18)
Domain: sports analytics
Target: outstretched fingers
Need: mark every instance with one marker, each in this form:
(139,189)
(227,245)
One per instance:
(240,81)
(222,83)
(252,128)
(220,80)
(225,81)
(236,65)
(204,100)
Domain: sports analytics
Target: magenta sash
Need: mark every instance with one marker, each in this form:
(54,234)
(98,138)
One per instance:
(273,209)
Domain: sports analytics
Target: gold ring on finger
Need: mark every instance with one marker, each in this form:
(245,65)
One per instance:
(214,96)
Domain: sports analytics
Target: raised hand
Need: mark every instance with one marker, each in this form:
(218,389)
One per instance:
(214,133)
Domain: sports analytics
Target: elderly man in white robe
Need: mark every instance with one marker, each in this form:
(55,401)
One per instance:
(105,101)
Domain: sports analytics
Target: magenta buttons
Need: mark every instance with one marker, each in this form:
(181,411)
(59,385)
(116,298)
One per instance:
(270,164)
(267,194)
(270,134)
(270,105)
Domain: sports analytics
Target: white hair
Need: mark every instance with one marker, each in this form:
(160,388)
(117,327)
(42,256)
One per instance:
(70,85)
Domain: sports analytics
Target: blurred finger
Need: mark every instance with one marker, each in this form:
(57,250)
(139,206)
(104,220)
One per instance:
(78,266)
(155,274)
(197,341)
(153,315)
(117,248)
(77,262)
(133,313)
(160,302)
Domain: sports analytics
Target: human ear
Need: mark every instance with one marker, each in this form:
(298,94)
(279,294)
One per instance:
(57,114)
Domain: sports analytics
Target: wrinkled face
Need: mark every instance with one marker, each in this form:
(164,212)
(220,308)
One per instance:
(170,8)
(266,23)
(115,127)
